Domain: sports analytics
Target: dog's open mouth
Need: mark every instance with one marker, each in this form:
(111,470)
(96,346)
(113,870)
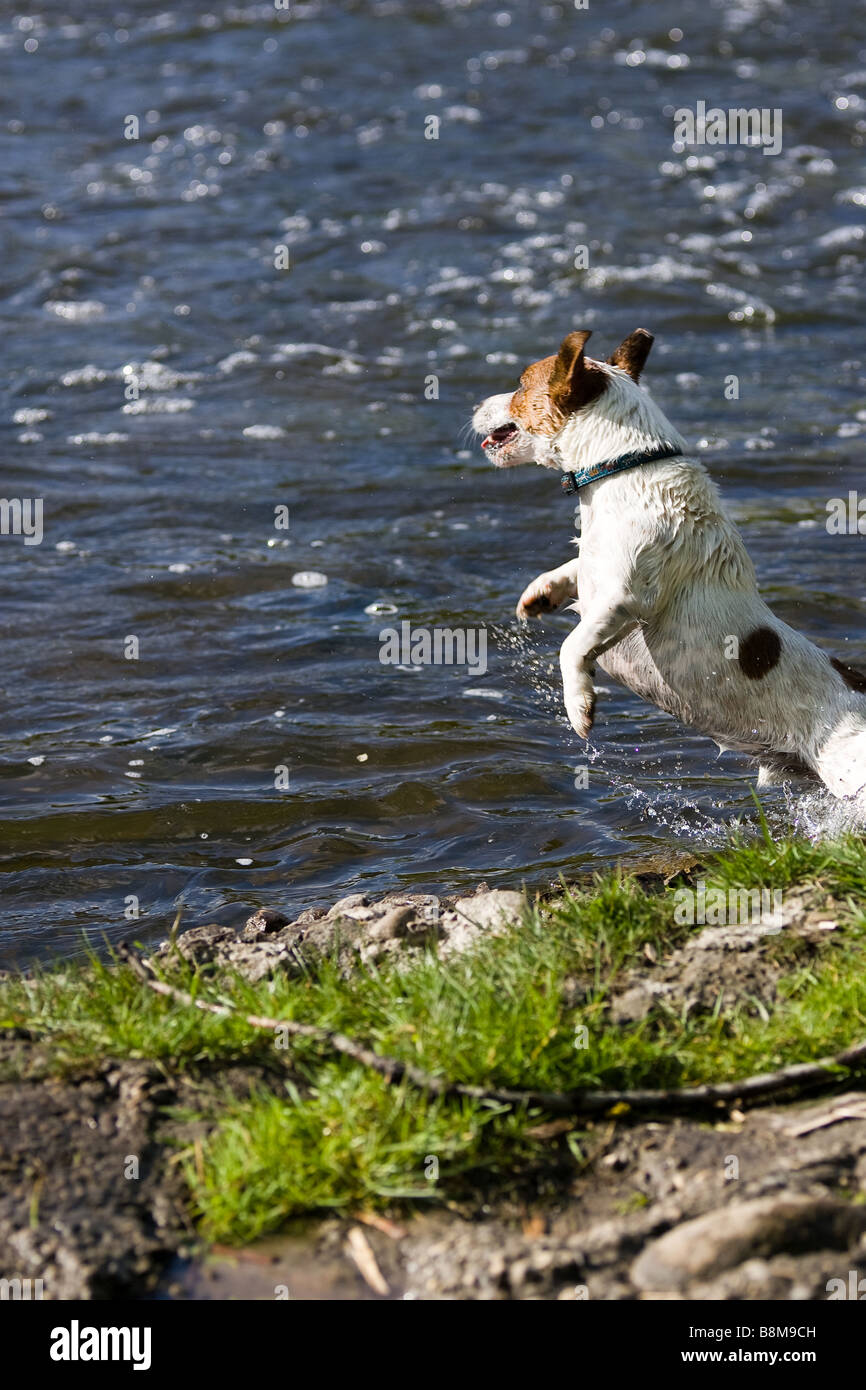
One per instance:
(498,439)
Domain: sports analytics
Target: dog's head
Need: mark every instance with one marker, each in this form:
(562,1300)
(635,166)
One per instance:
(521,427)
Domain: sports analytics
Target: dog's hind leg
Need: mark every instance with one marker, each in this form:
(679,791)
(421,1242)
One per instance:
(841,761)
(776,768)
(548,591)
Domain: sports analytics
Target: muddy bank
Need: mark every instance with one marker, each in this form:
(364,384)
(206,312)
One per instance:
(657,1214)
(88,1203)
(765,1203)
(755,1207)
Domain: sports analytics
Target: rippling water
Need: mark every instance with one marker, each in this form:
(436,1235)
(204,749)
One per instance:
(167,387)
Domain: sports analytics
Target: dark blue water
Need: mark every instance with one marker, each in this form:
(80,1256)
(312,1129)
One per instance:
(148,265)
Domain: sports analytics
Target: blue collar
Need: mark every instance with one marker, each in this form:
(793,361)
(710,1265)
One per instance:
(572,482)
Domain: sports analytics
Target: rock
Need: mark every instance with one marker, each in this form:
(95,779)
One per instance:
(267,919)
(726,1237)
(309,914)
(354,930)
(486,912)
(394,923)
(408,925)
(200,945)
(349,906)
(491,909)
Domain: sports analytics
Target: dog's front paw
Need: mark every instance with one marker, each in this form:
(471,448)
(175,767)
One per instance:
(541,596)
(580,706)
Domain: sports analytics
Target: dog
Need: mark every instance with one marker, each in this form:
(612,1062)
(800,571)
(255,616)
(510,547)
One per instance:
(666,591)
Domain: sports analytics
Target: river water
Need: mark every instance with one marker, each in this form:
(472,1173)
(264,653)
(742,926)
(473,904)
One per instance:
(230,310)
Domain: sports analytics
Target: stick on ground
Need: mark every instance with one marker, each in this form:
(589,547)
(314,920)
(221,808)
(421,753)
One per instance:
(800,1077)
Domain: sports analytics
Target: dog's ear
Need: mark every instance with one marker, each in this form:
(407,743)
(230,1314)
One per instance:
(633,352)
(567,387)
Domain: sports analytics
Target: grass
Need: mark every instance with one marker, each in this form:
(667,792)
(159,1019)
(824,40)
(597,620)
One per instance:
(316,1132)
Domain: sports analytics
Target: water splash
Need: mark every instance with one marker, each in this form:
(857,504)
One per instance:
(820,816)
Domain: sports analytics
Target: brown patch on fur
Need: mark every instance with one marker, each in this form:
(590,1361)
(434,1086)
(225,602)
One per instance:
(552,389)
(759,653)
(633,352)
(850,675)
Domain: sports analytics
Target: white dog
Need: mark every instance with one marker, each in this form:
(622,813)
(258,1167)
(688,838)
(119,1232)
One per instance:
(665,589)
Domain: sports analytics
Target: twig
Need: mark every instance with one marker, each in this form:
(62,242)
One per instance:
(361,1252)
(852,1110)
(801,1076)
(381,1223)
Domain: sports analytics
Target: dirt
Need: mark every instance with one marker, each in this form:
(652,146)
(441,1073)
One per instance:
(87,1202)
(724,965)
(604,1239)
(762,1206)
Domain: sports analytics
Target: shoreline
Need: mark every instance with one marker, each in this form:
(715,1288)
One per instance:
(153,1150)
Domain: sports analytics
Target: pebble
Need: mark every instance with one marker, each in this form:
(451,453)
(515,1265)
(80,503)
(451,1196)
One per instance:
(724,1238)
